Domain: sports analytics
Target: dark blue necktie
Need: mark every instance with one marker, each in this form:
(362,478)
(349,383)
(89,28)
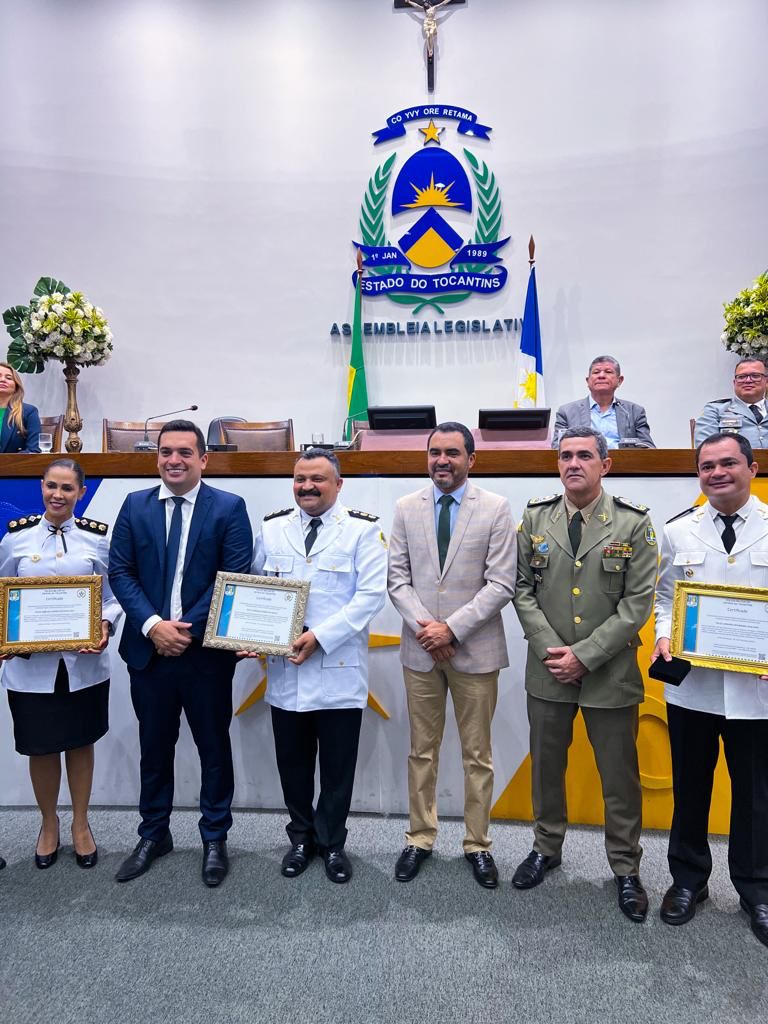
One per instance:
(171,556)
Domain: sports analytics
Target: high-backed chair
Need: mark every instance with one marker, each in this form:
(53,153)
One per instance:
(358,426)
(53,425)
(271,436)
(122,435)
(215,435)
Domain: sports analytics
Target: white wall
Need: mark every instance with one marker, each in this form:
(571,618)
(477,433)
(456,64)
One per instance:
(197,167)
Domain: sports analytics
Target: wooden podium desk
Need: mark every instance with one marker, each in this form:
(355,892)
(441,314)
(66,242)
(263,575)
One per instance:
(490,463)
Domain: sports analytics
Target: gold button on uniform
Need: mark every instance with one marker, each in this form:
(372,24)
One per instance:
(731,559)
(309,561)
(576,590)
(577,563)
(577,619)
(618,566)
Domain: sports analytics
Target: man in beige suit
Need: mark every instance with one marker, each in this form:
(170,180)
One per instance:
(451,571)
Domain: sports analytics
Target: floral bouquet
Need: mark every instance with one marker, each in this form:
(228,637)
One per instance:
(57,324)
(746,321)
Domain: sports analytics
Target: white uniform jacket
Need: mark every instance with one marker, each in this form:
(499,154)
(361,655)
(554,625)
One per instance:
(30,549)
(692,549)
(347,571)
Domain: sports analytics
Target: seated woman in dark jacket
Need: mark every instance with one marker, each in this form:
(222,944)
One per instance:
(19,422)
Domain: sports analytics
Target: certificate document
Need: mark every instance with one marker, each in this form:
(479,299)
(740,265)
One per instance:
(717,626)
(49,613)
(264,614)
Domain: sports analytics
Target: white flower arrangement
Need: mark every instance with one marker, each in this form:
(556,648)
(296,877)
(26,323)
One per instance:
(57,324)
(746,321)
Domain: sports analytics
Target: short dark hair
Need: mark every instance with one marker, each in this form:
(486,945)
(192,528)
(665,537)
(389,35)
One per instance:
(750,359)
(602,444)
(183,427)
(741,441)
(452,427)
(605,359)
(322,453)
(69,464)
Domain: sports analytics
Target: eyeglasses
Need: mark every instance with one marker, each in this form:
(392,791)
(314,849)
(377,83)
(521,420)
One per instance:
(742,378)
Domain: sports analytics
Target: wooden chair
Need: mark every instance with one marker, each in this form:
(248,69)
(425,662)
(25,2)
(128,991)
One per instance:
(214,435)
(358,426)
(122,435)
(271,436)
(53,425)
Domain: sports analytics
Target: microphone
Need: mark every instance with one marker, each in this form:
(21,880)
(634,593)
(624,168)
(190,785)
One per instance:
(145,445)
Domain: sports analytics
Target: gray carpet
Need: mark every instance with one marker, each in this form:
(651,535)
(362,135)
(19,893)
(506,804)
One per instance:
(76,947)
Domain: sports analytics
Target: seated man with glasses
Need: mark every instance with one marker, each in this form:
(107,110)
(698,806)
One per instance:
(744,412)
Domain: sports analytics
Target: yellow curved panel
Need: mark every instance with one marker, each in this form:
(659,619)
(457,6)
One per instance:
(583,792)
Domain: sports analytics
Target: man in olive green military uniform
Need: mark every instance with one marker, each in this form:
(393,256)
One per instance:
(586,575)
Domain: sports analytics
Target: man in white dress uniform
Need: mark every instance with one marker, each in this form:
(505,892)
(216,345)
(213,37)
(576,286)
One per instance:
(724,541)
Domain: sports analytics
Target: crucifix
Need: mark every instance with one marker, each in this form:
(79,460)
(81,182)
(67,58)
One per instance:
(429,26)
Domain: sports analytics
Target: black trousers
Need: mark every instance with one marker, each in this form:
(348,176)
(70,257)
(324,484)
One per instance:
(199,682)
(695,739)
(299,735)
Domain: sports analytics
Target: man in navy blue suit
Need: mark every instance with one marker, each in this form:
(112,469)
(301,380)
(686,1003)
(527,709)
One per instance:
(167,545)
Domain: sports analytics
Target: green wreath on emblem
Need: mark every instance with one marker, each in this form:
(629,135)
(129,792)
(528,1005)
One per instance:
(487,229)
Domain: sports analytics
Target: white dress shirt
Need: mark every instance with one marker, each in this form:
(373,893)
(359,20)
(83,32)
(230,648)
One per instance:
(187,508)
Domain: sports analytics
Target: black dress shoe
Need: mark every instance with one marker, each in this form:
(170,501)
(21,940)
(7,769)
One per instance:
(483,868)
(337,866)
(532,870)
(215,862)
(88,860)
(296,861)
(409,862)
(140,860)
(47,860)
(679,904)
(758,917)
(633,899)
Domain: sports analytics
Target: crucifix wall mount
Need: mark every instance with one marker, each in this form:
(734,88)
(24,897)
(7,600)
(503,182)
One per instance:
(429,27)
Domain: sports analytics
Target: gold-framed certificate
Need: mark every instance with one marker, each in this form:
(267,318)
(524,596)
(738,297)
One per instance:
(263,614)
(49,613)
(717,626)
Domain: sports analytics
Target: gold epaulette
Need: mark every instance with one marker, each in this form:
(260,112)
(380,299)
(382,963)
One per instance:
(626,503)
(92,525)
(548,499)
(368,516)
(282,512)
(23,523)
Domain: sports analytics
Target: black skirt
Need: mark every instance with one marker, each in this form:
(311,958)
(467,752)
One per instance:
(49,723)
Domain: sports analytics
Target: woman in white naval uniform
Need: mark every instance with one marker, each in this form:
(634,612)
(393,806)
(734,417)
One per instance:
(59,702)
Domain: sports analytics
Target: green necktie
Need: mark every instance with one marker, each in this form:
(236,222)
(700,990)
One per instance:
(444,527)
(574,530)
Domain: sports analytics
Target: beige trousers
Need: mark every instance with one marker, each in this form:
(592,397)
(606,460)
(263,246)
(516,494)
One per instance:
(474,701)
(613,735)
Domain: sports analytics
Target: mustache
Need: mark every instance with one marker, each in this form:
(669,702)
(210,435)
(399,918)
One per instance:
(314,493)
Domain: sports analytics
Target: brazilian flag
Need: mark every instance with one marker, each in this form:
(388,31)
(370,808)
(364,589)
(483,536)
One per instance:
(357,392)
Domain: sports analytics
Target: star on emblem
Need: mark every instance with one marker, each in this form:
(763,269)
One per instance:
(431,133)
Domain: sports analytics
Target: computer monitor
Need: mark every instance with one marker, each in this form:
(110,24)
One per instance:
(513,419)
(402,417)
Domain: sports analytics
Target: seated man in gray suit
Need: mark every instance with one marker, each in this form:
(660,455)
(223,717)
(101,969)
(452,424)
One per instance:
(743,413)
(611,416)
